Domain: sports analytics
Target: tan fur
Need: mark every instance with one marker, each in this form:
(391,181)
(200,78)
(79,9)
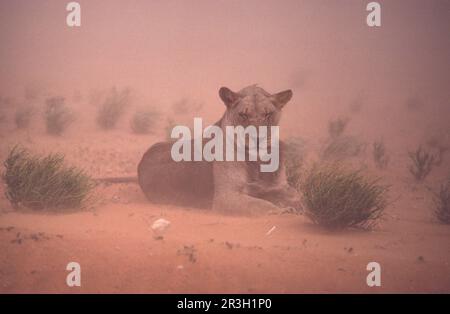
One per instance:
(226,186)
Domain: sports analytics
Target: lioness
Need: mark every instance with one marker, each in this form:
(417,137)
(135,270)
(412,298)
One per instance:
(226,186)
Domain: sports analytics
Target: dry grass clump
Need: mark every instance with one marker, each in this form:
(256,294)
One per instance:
(57,116)
(440,146)
(186,106)
(23,116)
(4,104)
(113,108)
(337,198)
(422,163)
(143,121)
(170,124)
(442,201)
(44,182)
(295,154)
(380,155)
(340,148)
(337,127)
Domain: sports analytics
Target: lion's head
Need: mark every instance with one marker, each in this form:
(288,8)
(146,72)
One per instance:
(253,106)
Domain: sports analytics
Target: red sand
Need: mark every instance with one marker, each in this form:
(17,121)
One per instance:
(169,50)
(203,251)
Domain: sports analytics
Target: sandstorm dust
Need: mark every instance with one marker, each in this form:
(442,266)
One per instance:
(389,83)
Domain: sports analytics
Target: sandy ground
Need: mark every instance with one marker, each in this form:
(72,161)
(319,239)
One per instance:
(203,251)
(391,82)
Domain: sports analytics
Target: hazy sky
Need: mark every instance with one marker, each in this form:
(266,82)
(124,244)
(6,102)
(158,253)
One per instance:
(166,49)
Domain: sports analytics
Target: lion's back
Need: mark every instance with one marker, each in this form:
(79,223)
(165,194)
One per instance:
(185,183)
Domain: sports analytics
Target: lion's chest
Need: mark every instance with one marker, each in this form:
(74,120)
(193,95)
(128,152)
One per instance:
(254,173)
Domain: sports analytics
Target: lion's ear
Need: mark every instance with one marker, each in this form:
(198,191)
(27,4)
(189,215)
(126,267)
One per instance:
(282,98)
(228,96)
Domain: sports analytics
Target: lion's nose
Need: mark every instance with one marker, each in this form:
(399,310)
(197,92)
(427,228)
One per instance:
(256,121)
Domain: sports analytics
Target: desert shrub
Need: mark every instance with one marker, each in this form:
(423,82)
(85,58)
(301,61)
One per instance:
(379,154)
(337,127)
(23,116)
(422,163)
(341,148)
(185,106)
(170,124)
(442,201)
(44,182)
(440,147)
(294,158)
(113,108)
(336,197)
(57,116)
(143,121)
(441,152)
(2,108)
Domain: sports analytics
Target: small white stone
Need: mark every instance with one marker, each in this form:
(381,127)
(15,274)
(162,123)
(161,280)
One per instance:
(159,226)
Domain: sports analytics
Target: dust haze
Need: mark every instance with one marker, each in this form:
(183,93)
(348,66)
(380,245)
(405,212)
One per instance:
(166,60)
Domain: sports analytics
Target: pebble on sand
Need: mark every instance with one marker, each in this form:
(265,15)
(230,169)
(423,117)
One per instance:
(159,226)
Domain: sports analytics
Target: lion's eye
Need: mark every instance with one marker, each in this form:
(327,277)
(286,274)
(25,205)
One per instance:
(243,116)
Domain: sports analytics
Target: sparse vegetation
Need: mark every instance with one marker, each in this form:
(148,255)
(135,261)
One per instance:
(337,146)
(170,124)
(57,116)
(44,182)
(442,200)
(2,108)
(380,155)
(337,198)
(337,127)
(23,116)
(143,121)
(294,158)
(185,106)
(340,148)
(440,147)
(422,163)
(113,108)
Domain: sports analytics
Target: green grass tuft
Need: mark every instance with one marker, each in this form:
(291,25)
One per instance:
(337,198)
(44,182)
(295,154)
(422,163)
(442,200)
(380,155)
(337,127)
(23,116)
(57,116)
(113,108)
(341,148)
(143,121)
